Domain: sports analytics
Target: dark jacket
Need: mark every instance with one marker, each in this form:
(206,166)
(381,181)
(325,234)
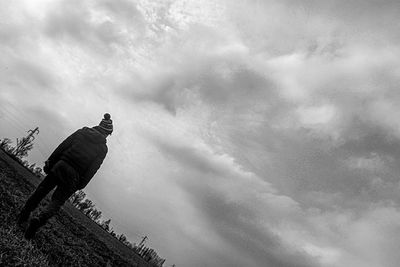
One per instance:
(83,150)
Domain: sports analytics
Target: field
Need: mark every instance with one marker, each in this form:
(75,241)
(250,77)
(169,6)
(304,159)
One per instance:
(68,239)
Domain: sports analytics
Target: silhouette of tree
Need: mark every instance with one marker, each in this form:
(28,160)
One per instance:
(35,170)
(32,167)
(122,238)
(25,144)
(77,197)
(106,225)
(95,214)
(24,162)
(23,147)
(5,144)
(88,211)
(38,171)
(87,204)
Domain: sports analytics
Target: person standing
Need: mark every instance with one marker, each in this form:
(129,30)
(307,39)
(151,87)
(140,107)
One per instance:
(69,168)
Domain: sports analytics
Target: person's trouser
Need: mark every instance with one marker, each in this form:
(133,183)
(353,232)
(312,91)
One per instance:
(61,194)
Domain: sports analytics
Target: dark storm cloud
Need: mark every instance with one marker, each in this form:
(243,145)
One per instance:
(362,168)
(238,226)
(194,159)
(236,223)
(216,80)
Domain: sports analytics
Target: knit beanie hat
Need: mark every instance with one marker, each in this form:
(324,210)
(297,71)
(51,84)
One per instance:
(106,123)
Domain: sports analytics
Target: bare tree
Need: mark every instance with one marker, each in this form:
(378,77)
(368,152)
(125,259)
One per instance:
(85,205)
(88,211)
(5,144)
(77,198)
(95,215)
(32,167)
(106,225)
(122,238)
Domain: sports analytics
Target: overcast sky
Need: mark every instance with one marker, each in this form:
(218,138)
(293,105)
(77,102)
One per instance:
(247,133)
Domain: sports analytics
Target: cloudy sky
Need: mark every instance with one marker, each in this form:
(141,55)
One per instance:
(247,133)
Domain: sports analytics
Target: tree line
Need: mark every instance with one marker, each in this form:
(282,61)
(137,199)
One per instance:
(87,207)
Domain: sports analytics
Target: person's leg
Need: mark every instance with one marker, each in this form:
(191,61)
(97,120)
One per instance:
(60,195)
(48,183)
(65,176)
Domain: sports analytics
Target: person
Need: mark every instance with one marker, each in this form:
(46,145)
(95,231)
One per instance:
(69,168)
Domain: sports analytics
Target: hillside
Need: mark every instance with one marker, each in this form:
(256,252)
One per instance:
(69,239)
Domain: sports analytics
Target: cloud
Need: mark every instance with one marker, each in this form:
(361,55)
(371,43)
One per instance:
(199,72)
(370,235)
(123,9)
(77,23)
(32,75)
(237,206)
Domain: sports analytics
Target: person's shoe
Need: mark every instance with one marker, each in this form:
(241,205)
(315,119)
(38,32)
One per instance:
(32,228)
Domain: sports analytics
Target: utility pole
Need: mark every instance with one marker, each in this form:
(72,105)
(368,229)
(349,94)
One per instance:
(27,139)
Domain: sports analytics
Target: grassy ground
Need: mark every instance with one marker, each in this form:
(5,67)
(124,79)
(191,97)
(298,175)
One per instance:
(14,249)
(69,239)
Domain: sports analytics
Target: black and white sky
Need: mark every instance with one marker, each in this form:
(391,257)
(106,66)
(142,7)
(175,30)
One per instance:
(247,133)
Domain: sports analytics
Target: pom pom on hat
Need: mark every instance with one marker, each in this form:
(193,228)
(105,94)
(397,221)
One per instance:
(106,123)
